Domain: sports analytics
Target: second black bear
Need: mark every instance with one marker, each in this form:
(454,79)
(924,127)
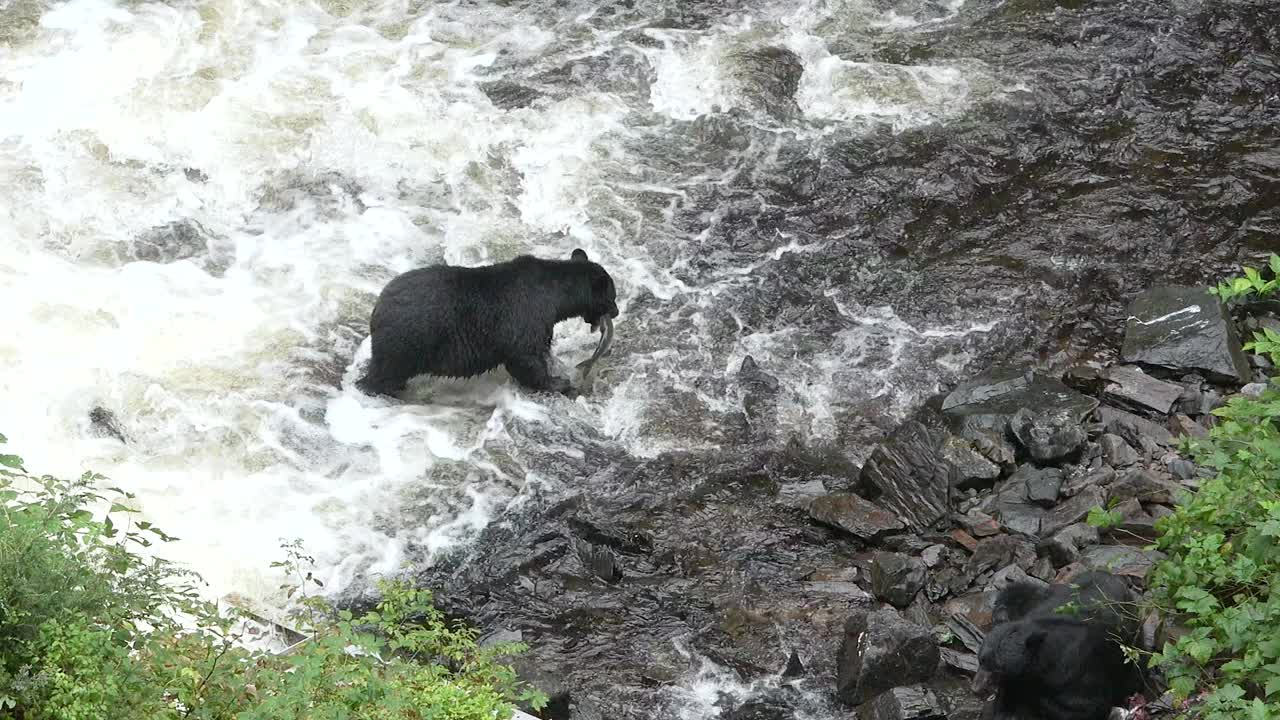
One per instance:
(1050,663)
(464,321)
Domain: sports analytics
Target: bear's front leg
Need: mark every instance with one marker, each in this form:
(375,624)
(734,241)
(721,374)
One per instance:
(534,372)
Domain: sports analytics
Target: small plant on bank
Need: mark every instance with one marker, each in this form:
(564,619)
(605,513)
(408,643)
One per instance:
(92,630)
(1265,342)
(1220,579)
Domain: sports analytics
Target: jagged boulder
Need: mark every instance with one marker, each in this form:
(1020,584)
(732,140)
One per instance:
(1181,329)
(909,475)
(880,651)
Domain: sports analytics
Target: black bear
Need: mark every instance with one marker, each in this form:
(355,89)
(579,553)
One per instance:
(1055,652)
(464,321)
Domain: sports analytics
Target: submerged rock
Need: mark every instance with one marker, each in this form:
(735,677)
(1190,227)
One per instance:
(509,95)
(1184,328)
(768,78)
(881,651)
(909,475)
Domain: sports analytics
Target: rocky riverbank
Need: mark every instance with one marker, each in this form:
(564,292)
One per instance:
(828,589)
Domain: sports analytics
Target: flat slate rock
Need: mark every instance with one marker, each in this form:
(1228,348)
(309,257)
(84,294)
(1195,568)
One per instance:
(1184,328)
(1132,386)
(992,398)
(1133,428)
(859,517)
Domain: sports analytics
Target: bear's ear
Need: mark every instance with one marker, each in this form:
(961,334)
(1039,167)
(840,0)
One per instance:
(579,255)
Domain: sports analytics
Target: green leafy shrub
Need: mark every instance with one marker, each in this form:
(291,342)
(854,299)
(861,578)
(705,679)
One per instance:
(1251,283)
(92,630)
(1221,577)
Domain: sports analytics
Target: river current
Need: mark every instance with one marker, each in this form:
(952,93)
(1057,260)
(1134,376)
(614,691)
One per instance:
(870,198)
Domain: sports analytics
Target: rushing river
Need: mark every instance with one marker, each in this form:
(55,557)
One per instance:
(870,198)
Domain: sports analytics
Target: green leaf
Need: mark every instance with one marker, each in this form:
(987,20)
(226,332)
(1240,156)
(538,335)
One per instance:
(1273,686)
(11,461)
(1275,268)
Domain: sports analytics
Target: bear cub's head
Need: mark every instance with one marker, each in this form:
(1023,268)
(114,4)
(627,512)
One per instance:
(604,296)
(1011,649)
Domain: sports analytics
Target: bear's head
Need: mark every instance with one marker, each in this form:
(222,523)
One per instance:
(604,296)
(1011,648)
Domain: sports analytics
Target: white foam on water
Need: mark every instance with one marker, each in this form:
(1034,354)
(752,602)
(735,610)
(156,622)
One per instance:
(325,151)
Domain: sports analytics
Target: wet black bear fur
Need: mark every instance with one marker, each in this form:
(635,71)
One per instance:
(464,321)
(1061,665)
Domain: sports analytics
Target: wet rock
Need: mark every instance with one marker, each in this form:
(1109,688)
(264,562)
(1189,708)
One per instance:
(1043,485)
(964,540)
(1120,559)
(973,470)
(999,552)
(768,77)
(1182,426)
(972,616)
(991,399)
(980,524)
(881,651)
(1043,569)
(178,240)
(934,555)
(1182,470)
(1072,511)
(759,397)
(768,708)
(914,702)
(1145,486)
(965,662)
(195,175)
(1117,452)
(1049,436)
(1184,328)
(1136,525)
(794,668)
(1082,479)
(1065,546)
(1133,428)
(1010,575)
(1253,390)
(1197,399)
(896,578)
(1012,507)
(1087,379)
(104,423)
(861,518)
(509,95)
(599,560)
(909,475)
(1131,386)
(991,443)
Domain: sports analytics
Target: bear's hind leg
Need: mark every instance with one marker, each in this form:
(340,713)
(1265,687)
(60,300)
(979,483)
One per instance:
(534,373)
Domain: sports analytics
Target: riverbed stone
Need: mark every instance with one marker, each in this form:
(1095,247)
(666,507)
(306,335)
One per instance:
(993,397)
(1065,546)
(1043,485)
(1133,428)
(1130,385)
(855,515)
(1144,485)
(909,475)
(880,651)
(1184,328)
(914,702)
(1047,436)
(973,470)
(1116,452)
(1072,511)
(896,578)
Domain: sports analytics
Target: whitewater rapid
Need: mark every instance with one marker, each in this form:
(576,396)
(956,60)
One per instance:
(202,200)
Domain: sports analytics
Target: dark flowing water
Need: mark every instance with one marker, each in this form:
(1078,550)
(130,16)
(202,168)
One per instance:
(870,198)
